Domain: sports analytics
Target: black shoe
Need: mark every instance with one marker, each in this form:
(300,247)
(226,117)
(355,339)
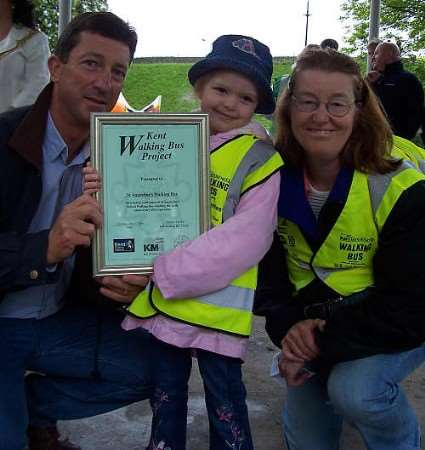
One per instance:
(47,439)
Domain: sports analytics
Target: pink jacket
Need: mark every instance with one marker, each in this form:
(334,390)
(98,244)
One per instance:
(196,267)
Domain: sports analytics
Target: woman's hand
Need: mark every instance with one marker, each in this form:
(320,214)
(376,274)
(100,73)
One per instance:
(294,373)
(91,180)
(299,344)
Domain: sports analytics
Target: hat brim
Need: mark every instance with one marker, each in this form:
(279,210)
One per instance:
(266,104)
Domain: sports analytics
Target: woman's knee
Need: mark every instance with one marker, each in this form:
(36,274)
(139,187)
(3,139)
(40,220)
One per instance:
(357,396)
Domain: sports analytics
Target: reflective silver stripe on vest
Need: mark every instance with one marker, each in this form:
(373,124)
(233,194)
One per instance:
(421,163)
(323,273)
(259,153)
(231,297)
(378,184)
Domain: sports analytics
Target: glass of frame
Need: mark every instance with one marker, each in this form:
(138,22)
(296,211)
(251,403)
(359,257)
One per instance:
(155,187)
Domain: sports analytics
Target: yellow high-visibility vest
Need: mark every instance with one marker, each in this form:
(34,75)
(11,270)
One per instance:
(344,260)
(405,149)
(236,166)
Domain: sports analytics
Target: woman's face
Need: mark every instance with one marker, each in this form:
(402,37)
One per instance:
(321,133)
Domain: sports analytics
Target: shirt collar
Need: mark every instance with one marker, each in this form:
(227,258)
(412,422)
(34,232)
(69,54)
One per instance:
(293,203)
(55,146)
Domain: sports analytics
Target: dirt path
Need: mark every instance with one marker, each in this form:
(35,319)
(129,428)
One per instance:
(128,428)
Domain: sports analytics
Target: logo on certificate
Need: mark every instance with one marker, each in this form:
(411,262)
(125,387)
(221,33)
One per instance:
(154,246)
(123,245)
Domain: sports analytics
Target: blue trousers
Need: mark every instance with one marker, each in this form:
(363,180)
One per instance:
(225,396)
(63,347)
(364,392)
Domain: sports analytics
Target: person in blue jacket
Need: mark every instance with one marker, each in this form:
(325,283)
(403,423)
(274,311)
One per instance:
(54,321)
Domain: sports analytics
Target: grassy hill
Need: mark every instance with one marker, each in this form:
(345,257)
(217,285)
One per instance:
(148,78)
(167,76)
(145,81)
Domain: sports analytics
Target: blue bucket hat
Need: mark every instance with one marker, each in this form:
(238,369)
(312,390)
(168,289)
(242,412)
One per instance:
(245,55)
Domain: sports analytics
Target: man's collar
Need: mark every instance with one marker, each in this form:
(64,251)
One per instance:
(27,140)
(53,142)
(392,67)
(55,146)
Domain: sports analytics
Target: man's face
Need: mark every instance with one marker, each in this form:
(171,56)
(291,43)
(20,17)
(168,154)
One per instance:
(371,49)
(90,81)
(381,57)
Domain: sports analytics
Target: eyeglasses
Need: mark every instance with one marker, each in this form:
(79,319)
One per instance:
(337,108)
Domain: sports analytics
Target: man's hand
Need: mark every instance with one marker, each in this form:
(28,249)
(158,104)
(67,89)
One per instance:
(373,75)
(74,226)
(299,345)
(123,289)
(294,373)
(91,180)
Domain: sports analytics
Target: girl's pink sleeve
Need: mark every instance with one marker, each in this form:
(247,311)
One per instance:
(213,260)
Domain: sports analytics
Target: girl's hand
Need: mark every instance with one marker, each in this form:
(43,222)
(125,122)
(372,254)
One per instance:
(91,180)
(299,344)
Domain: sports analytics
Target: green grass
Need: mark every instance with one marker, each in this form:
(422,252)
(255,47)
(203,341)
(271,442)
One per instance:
(145,81)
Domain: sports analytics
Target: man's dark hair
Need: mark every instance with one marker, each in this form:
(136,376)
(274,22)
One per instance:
(22,13)
(329,43)
(105,24)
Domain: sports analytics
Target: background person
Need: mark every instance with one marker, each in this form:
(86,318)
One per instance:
(329,43)
(53,320)
(399,91)
(280,84)
(23,55)
(372,74)
(349,309)
(371,47)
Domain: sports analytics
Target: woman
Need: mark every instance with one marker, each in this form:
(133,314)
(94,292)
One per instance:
(23,55)
(351,221)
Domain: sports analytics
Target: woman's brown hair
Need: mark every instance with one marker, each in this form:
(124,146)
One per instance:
(369,146)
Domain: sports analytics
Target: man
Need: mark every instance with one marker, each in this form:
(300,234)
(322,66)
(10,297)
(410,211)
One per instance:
(372,75)
(371,47)
(399,91)
(84,363)
(329,43)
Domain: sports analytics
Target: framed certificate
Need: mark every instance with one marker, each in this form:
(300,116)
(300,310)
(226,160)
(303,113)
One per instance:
(155,187)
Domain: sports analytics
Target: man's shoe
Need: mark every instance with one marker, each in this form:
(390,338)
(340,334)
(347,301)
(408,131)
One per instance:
(47,439)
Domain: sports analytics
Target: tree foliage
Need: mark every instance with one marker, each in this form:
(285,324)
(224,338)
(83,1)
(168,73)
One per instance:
(402,21)
(47,14)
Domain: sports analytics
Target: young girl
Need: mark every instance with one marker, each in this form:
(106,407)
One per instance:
(201,294)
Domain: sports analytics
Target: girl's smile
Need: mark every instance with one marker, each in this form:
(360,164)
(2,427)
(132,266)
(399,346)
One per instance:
(230,99)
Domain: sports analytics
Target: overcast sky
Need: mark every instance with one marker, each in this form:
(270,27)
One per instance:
(188,27)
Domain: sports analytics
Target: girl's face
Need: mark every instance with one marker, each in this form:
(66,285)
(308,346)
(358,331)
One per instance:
(321,133)
(229,98)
